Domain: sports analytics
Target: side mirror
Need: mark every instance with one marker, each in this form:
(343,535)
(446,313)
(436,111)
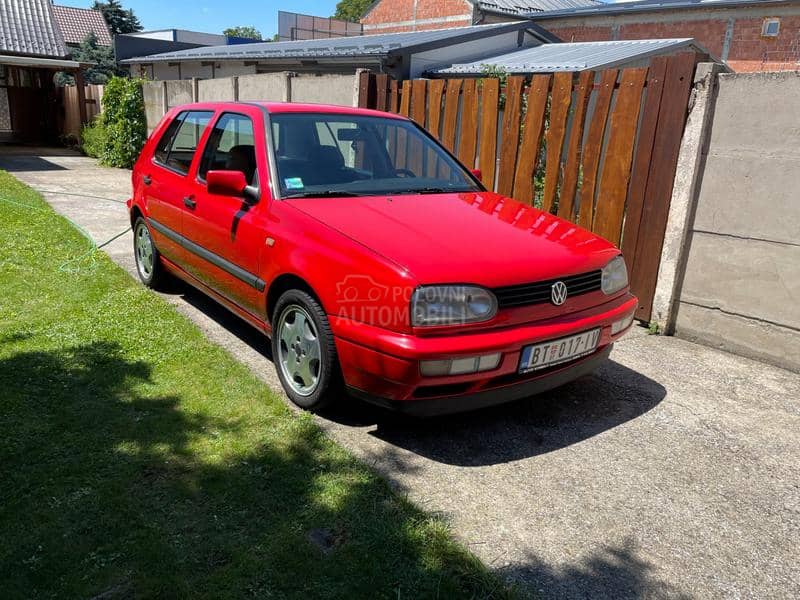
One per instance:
(477,174)
(230,183)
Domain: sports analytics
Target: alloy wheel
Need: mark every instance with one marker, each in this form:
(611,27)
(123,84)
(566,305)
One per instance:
(144,251)
(299,350)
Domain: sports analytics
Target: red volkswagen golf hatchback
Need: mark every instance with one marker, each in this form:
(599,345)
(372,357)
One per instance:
(372,258)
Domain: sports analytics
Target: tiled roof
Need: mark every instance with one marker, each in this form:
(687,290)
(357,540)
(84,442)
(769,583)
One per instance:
(76,23)
(521,7)
(27,27)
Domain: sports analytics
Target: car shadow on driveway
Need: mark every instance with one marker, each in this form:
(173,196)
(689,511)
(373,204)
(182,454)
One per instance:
(537,425)
(613,395)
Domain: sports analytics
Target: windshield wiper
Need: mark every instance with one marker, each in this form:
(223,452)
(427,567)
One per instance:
(433,190)
(324,194)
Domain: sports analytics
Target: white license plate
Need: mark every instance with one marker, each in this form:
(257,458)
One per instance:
(554,352)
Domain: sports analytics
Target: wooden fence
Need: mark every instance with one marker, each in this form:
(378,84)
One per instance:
(597,148)
(72,116)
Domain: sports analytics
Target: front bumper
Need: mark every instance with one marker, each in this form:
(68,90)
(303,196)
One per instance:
(383,366)
(490,397)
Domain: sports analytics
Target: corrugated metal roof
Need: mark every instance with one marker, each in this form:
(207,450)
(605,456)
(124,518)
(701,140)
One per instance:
(376,45)
(27,27)
(618,8)
(521,7)
(578,56)
(76,23)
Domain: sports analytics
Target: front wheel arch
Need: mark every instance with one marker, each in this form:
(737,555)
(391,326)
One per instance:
(283,283)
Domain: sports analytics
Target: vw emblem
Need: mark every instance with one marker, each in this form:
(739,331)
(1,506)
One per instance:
(558,293)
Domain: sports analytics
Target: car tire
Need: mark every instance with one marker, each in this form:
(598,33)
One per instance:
(304,351)
(148,261)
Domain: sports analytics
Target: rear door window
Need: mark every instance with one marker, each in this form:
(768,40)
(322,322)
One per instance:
(231,147)
(179,143)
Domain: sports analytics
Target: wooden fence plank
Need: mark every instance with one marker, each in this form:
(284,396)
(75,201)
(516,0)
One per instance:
(594,146)
(566,196)
(617,164)
(382,92)
(490,95)
(642,158)
(402,136)
(394,96)
(365,79)
(469,124)
(419,98)
(664,161)
(559,110)
(435,91)
(510,136)
(531,138)
(451,113)
(405,98)
(419,93)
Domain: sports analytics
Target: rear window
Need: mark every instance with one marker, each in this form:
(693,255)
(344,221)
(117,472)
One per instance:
(178,144)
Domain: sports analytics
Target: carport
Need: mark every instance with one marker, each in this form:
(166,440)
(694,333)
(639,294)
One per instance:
(31,107)
(32,51)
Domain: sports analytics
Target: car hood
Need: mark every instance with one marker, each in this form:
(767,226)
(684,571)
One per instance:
(481,238)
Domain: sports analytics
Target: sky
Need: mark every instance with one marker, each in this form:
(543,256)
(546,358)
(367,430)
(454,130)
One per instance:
(212,16)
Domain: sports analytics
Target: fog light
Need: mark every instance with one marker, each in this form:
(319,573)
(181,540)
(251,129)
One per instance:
(489,362)
(434,368)
(622,324)
(459,366)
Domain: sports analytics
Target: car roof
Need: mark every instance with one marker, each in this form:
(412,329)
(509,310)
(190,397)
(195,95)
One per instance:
(294,107)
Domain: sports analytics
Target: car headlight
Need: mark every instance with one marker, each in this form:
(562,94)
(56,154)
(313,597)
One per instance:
(615,276)
(451,304)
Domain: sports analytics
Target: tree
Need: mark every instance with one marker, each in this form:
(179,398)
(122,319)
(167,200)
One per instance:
(351,10)
(243,31)
(119,20)
(104,65)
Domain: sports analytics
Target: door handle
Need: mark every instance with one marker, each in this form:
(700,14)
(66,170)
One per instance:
(147,180)
(189,202)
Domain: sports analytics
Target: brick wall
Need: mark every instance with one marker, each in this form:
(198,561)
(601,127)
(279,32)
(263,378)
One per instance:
(415,15)
(747,50)
(750,51)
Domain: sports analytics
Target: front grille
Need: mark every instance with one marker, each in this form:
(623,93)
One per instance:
(539,292)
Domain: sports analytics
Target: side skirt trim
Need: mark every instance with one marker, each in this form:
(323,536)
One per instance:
(215,259)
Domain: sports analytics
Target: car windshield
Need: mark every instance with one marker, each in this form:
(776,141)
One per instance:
(340,155)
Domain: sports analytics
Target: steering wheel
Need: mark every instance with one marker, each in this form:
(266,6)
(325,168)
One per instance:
(405,172)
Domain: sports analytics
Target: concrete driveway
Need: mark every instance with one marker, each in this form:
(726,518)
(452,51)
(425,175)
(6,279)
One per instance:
(672,472)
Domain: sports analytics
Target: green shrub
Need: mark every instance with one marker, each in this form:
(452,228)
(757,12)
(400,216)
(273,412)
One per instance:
(119,132)
(93,138)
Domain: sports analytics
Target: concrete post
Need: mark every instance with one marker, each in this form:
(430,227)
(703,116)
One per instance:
(691,162)
(287,97)
(165,100)
(235,85)
(195,89)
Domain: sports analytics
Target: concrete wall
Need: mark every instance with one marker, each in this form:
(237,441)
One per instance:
(741,289)
(272,87)
(160,96)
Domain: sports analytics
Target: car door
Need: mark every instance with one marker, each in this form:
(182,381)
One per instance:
(225,235)
(166,182)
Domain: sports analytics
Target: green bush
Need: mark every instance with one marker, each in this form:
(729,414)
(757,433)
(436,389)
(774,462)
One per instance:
(119,132)
(93,138)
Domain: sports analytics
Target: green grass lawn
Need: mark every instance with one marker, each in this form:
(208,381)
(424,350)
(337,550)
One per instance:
(137,459)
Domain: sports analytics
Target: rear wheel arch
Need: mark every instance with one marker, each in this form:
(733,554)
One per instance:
(135,214)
